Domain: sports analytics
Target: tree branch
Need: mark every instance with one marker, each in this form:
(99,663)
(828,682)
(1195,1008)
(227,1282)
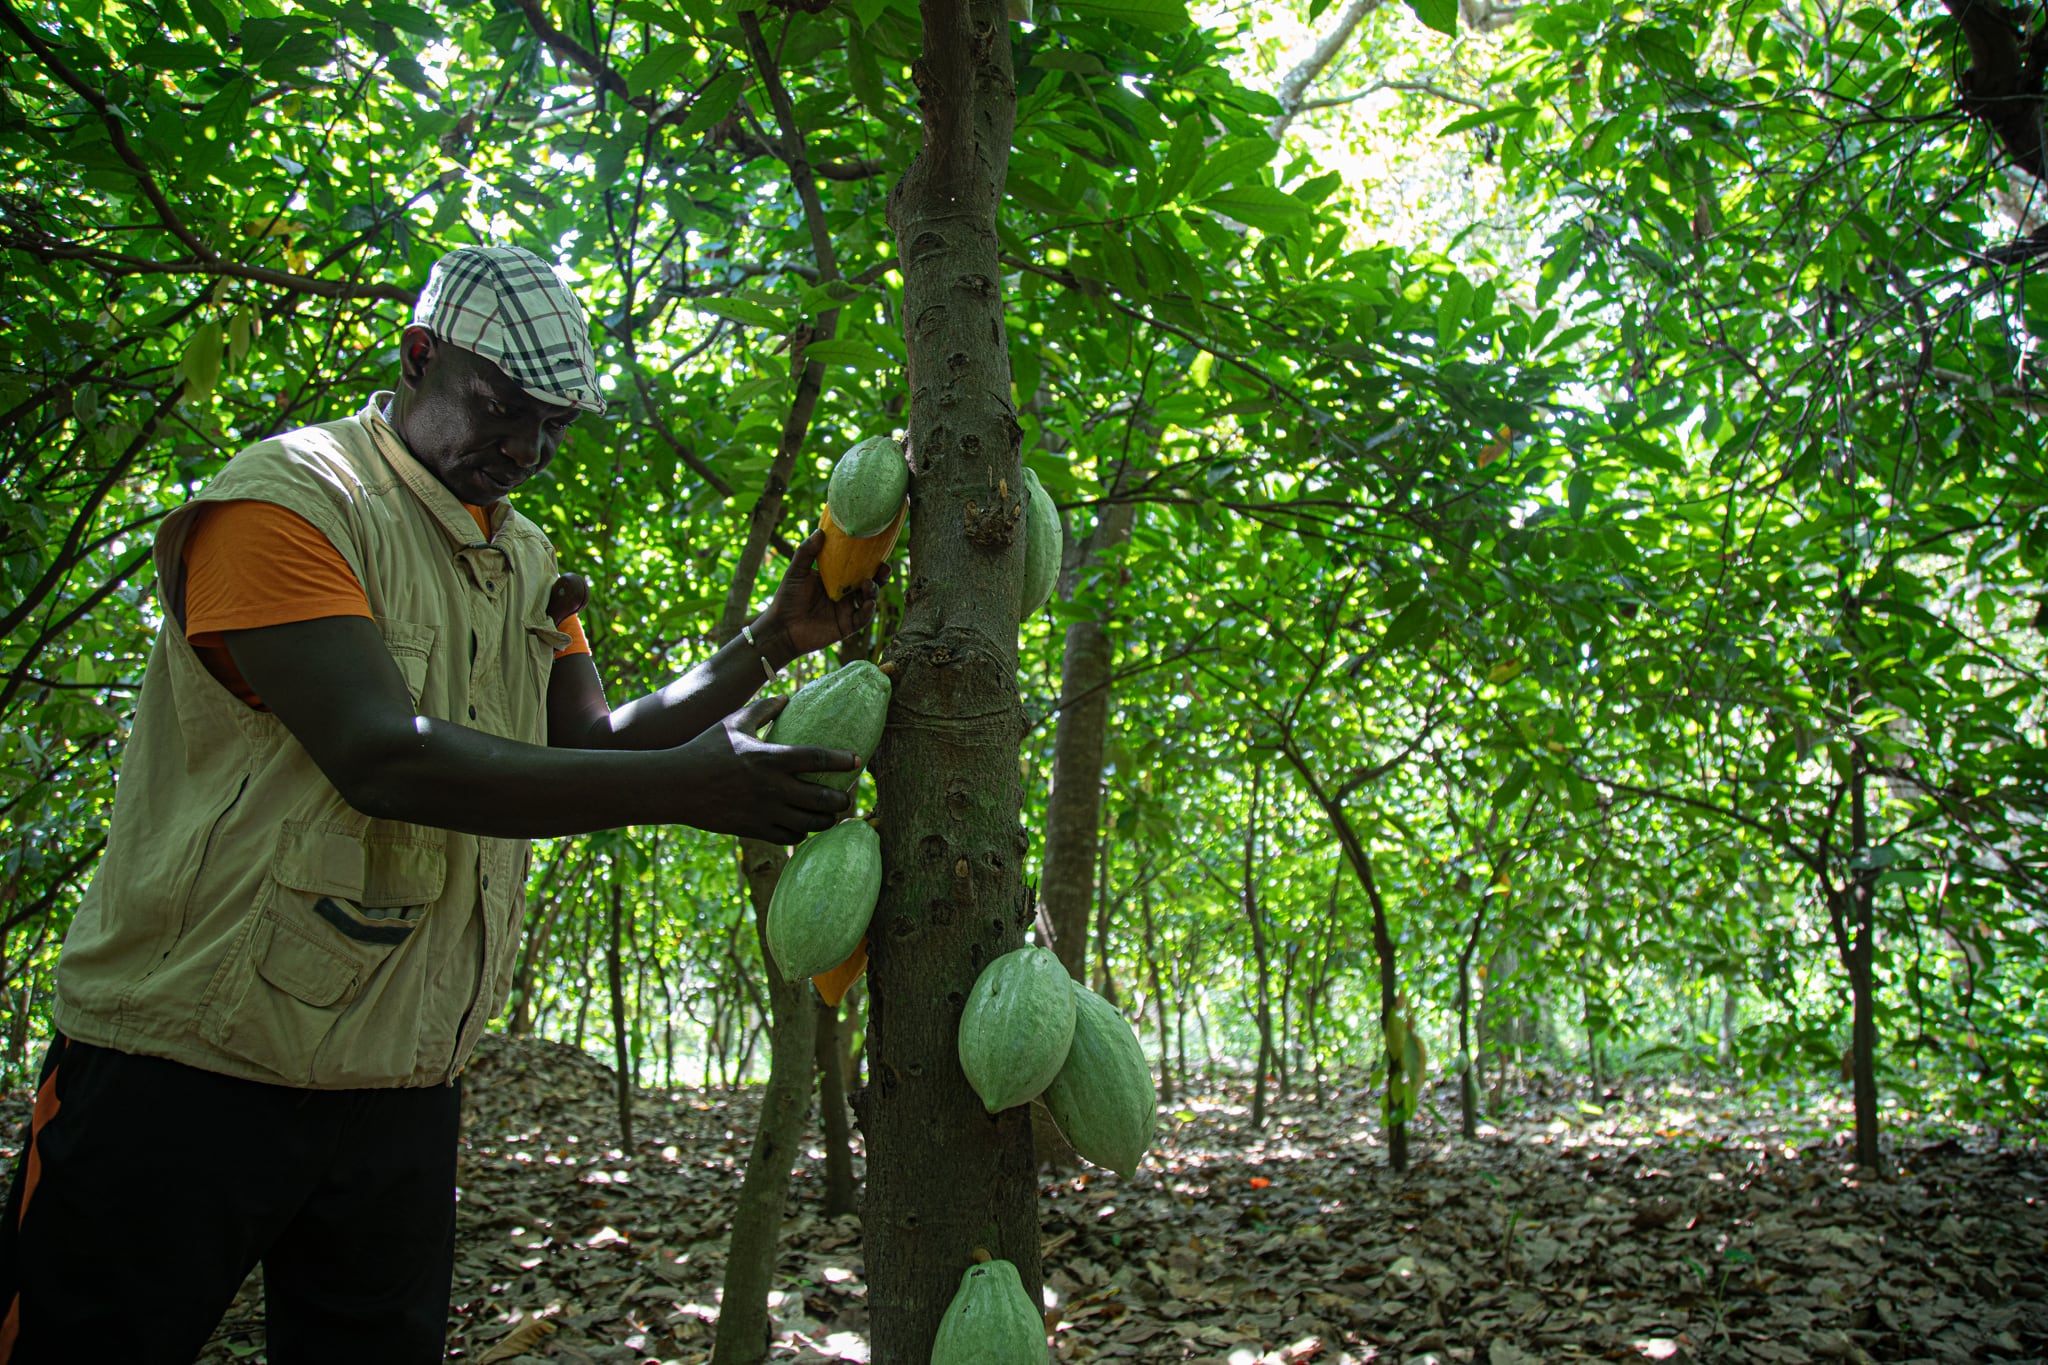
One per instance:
(1412,87)
(2002,85)
(1296,82)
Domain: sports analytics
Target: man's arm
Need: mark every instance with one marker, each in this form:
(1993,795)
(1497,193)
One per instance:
(334,686)
(800,619)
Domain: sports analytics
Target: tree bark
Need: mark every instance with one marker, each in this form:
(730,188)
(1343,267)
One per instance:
(1263,1012)
(1294,86)
(945,1177)
(1390,996)
(616,980)
(1859,899)
(1158,1001)
(743,1325)
(1073,808)
(1468,1080)
(834,1118)
(1105,912)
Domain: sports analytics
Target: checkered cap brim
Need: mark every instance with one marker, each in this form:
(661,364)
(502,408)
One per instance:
(505,304)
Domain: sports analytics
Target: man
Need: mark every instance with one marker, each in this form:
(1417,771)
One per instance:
(369,692)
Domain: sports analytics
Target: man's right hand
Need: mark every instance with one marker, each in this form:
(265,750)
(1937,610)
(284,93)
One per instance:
(738,783)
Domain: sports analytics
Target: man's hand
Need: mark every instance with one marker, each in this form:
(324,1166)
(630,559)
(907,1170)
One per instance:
(744,785)
(802,617)
(569,597)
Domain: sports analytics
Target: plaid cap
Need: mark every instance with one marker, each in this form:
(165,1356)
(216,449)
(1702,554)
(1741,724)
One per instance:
(508,306)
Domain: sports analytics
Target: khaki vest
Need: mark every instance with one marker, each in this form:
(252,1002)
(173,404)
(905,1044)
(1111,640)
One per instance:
(244,918)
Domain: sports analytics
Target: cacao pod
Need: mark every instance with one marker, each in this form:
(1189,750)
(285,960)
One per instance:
(845,709)
(1043,543)
(867,486)
(846,562)
(1016,1027)
(991,1321)
(834,985)
(1103,1099)
(824,900)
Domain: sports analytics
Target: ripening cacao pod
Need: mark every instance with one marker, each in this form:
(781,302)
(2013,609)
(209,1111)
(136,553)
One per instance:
(846,562)
(845,709)
(1016,1027)
(1103,1099)
(833,985)
(1043,543)
(824,900)
(991,1321)
(868,486)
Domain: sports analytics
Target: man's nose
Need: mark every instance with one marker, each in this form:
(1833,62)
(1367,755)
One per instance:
(523,446)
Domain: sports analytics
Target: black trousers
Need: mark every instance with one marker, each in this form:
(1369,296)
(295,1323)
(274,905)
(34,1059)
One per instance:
(149,1189)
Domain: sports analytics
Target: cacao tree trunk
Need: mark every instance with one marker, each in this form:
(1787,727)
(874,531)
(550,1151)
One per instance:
(1158,1001)
(1852,912)
(1468,1079)
(1317,1002)
(1073,808)
(835,1120)
(945,1177)
(1263,1010)
(1725,1052)
(1390,995)
(1105,913)
(615,978)
(743,1324)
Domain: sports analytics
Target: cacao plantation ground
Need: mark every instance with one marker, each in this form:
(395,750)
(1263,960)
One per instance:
(1672,1224)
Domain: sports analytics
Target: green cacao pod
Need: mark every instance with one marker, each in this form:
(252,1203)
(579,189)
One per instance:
(822,904)
(868,486)
(991,1321)
(1103,1098)
(845,709)
(1043,542)
(1016,1027)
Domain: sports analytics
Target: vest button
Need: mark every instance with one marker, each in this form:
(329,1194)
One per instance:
(487,881)
(490,585)
(472,713)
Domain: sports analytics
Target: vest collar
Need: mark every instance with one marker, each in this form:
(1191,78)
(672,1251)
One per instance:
(448,512)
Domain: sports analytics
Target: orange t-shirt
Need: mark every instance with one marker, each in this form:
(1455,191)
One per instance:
(254,564)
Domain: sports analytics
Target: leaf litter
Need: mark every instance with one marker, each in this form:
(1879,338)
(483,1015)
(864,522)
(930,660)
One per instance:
(1665,1226)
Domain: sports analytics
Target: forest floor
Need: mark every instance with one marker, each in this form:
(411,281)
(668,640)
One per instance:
(1675,1224)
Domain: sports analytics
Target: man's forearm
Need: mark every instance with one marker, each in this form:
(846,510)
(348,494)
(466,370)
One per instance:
(693,703)
(453,777)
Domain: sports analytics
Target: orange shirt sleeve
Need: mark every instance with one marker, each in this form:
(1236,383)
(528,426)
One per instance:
(254,564)
(579,643)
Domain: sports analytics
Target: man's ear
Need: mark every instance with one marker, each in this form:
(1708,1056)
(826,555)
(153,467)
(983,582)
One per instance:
(417,350)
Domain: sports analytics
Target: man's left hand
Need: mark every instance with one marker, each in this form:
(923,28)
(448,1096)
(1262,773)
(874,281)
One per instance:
(802,617)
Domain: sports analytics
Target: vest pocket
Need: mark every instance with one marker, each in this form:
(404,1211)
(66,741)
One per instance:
(543,639)
(327,982)
(411,646)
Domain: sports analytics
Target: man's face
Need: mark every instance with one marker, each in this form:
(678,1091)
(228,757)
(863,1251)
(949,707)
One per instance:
(465,419)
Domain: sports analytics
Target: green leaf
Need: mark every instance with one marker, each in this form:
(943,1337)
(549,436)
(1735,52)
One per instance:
(200,364)
(741,310)
(713,104)
(1441,15)
(1165,16)
(1577,490)
(1415,618)
(1261,206)
(1451,311)
(658,70)
(1230,163)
